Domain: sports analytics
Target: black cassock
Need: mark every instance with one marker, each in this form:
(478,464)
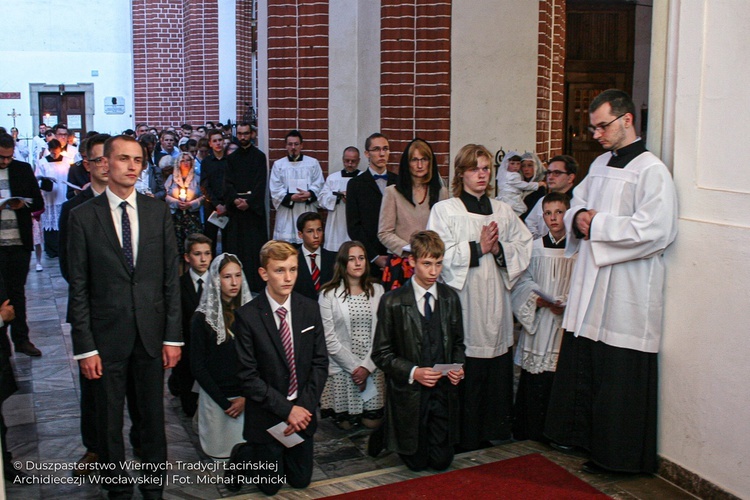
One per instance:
(246,232)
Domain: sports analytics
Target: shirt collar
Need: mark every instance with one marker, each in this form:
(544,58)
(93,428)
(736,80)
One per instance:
(374,173)
(114,200)
(419,291)
(195,276)
(307,252)
(554,241)
(275,305)
(96,193)
(292,159)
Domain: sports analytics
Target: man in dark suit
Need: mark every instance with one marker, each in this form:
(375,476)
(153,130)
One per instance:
(212,183)
(198,256)
(124,306)
(16,241)
(282,350)
(364,194)
(316,264)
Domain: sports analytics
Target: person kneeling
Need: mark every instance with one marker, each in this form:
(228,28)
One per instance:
(419,326)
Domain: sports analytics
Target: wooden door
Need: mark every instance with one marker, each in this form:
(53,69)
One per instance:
(599,55)
(68,108)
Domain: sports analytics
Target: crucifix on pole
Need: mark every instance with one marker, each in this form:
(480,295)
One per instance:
(14,115)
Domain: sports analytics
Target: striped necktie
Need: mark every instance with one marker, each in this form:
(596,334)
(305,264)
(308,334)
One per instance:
(286,341)
(315,272)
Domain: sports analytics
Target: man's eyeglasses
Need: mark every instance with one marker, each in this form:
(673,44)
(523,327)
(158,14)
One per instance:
(96,160)
(556,173)
(601,128)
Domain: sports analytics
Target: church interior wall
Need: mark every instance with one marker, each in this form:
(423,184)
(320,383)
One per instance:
(63,44)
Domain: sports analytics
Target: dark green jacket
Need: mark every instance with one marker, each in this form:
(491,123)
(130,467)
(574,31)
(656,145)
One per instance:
(397,348)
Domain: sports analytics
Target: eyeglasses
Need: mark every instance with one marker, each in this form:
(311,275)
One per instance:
(601,128)
(556,173)
(379,150)
(96,160)
(420,160)
(61,134)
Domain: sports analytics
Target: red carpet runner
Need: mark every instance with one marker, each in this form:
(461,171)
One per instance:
(529,476)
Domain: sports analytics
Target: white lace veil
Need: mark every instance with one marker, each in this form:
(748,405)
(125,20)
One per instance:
(502,172)
(538,167)
(210,303)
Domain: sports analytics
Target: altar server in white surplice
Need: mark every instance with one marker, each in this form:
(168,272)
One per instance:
(539,299)
(487,247)
(295,184)
(622,217)
(333,199)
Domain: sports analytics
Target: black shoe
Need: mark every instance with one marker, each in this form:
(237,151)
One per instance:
(230,475)
(376,442)
(29,349)
(562,447)
(593,468)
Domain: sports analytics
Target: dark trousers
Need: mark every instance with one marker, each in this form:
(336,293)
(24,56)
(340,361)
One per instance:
(182,380)
(295,463)
(148,379)
(14,267)
(52,243)
(433,449)
(89,435)
(486,400)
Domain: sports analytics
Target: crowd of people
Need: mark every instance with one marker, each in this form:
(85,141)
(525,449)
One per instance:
(402,309)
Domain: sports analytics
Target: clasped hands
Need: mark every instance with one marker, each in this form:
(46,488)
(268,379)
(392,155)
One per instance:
(488,239)
(429,377)
(583,222)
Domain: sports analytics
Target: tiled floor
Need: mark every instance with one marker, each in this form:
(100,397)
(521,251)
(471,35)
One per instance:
(44,430)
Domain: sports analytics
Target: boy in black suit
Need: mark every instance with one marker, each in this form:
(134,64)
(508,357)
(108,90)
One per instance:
(315,262)
(282,350)
(198,255)
(420,325)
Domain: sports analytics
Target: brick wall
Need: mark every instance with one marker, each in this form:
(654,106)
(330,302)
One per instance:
(551,79)
(175,61)
(415,76)
(245,35)
(298,76)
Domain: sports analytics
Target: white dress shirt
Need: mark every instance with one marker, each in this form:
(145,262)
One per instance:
(419,295)
(306,253)
(195,277)
(116,211)
(288,306)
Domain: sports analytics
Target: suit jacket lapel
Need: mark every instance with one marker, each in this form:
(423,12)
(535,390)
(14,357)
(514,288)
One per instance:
(267,315)
(298,323)
(145,217)
(409,303)
(370,181)
(104,214)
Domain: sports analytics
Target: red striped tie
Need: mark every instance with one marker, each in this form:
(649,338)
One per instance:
(286,341)
(315,272)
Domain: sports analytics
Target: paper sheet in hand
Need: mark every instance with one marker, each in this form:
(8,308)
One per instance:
(277,431)
(370,390)
(445,368)
(218,220)
(546,297)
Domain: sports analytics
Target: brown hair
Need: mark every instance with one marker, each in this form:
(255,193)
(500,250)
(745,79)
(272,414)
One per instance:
(228,308)
(466,158)
(196,239)
(339,271)
(426,244)
(276,250)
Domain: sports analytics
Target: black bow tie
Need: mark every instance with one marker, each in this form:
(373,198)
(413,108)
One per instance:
(353,173)
(380,176)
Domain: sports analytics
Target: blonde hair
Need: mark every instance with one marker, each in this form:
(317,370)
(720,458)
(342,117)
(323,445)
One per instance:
(466,158)
(276,250)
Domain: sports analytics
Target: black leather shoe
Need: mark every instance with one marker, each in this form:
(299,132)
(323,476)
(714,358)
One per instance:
(562,447)
(29,349)
(230,475)
(593,468)
(376,442)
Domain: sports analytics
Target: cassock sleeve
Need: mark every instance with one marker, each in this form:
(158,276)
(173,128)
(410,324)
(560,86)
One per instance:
(327,199)
(534,219)
(457,253)
(277,186)
(621,238)
(316,181)
(517,242)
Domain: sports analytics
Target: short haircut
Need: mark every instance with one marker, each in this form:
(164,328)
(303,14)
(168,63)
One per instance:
(91,133)
(202,127)
(276,250)
(139,125)
(49,133)
(376,135)
(147,139)
(515,158)
(6,141)
(54,144)
(293,133)
(466,158)
(109,145)
(186,126)
(352,148)
(95,141)
(556,196)
(571,165)
(168,132)
(59,126)
(213,132)
(426,244)
(196,239)
(307,217)
(128,131)
(619,101)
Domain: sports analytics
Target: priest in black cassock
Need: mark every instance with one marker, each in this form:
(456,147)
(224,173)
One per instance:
(245,183)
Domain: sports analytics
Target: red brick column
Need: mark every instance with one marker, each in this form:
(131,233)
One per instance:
(551,79)
(415,75)
(298,76)
(246,37)
(175,61)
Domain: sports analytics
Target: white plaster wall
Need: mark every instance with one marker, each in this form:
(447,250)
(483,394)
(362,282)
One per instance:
(354,88)
(704,420)
(227,61)
(44,42)
(494,47)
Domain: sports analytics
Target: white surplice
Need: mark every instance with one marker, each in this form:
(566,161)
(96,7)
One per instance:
(539,343)
(336,232)
(484,290)
(617,288)
(286,177)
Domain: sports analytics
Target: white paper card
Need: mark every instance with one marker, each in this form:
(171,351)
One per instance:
(370,390)
(218,220)
(290,441)
(448,367)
